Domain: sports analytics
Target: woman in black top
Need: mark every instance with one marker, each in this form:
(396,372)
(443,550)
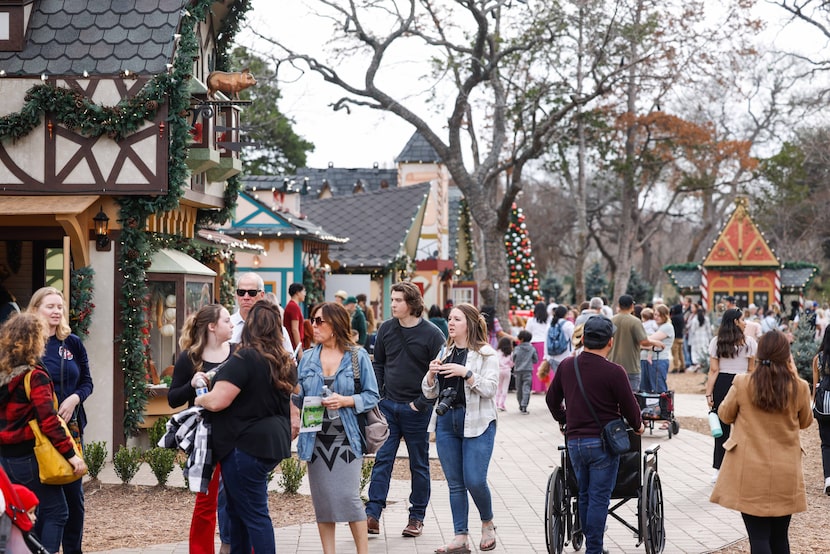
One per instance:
(205,347)
(251,429)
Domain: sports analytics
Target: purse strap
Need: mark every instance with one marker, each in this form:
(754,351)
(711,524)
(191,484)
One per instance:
(582,389)
(27,385)
(358,388)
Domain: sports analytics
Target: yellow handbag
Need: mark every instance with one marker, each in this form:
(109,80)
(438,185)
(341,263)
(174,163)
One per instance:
(53,468)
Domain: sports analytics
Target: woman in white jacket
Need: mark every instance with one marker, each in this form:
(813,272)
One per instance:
(465,379)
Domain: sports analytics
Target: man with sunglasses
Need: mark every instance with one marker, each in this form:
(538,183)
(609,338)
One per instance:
(405,345)
(250,289)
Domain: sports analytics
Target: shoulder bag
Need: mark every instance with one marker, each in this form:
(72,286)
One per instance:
(53,468)
(615,433)
(374,429)
(821,407)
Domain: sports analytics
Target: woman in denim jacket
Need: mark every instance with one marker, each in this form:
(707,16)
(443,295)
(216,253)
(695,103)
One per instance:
(335,453)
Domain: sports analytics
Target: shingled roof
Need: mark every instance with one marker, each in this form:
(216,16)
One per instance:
(341,181)
(418,150)
(103,38)
(377,223)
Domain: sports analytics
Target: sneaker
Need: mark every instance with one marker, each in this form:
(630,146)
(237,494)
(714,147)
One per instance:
(413,529)
(827,486)
(525,412)
(715,476)
(373,525)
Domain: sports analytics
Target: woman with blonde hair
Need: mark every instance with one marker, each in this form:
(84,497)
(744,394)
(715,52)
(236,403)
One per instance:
(205,347)
(335,452)
(66,360)
(761,475)
(465,380)
(22,343)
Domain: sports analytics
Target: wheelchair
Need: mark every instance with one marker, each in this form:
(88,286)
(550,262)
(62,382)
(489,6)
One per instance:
(636,480)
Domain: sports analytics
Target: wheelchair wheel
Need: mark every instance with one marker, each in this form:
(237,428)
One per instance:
(675,426)
(577,537)
(652,523)
(555,512)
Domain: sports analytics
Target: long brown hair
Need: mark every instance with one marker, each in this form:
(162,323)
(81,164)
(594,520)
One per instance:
(476,327)
(263,333)
(340,322)
(22,341)
(730,337)
(194,337)
(773,383)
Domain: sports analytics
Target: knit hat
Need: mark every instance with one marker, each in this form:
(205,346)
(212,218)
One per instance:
(28,499)
(350,300)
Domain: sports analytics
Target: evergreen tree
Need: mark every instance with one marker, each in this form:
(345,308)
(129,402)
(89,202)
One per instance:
(803,349)
(551,288)
(638,289)
(596,283)
(523,281)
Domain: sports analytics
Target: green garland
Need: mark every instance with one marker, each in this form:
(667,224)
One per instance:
(75,111)
(81,291)
(137,250)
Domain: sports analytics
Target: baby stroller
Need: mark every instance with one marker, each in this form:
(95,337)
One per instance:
(16,534)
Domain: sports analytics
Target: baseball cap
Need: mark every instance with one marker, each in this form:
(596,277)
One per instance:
(597,332)
(341,294)
(350,300)
(730,298)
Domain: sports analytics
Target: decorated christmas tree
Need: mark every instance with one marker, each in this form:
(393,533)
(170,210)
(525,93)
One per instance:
(524,285)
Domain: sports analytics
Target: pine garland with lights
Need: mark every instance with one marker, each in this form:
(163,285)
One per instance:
(465,225)
(76,112)
(81,291)
(524,283)
(136,249)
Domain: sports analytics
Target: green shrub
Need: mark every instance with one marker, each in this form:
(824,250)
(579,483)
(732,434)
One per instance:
(95,454)
(293,471)
(366,475)
(161,462)
(157,431)
(126,463)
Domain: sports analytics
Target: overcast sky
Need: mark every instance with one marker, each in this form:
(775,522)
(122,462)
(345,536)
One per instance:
(368,136)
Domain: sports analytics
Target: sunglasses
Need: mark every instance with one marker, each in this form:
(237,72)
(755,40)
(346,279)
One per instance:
(249,292)
(317,320)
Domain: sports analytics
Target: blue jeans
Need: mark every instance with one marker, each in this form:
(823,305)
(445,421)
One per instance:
(246,488)
(634,379)
(596,474)
(52,513)
(662,371)
(73,531)
(222,514)
(406,423)
(647,378)
(465,461)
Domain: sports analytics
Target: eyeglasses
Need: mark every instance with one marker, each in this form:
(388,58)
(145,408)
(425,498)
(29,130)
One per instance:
(317,320)
(249,292)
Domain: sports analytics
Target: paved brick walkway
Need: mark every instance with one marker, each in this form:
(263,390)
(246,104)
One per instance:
(525,455)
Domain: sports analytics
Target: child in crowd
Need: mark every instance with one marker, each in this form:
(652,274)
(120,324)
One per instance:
(28,500)
(504,351)
(524,357)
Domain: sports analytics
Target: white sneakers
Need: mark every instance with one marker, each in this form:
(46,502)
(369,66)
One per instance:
(715,476)
(827,486)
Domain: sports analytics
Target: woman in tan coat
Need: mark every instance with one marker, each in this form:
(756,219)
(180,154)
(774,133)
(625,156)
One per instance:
(761,474)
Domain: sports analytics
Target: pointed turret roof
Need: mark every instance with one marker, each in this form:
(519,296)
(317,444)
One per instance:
(418,150)
(740,243)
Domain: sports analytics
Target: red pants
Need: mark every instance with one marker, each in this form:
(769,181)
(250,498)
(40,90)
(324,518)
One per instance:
(203,523)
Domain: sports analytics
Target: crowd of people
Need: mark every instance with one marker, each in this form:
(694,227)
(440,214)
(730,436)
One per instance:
(256,376)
